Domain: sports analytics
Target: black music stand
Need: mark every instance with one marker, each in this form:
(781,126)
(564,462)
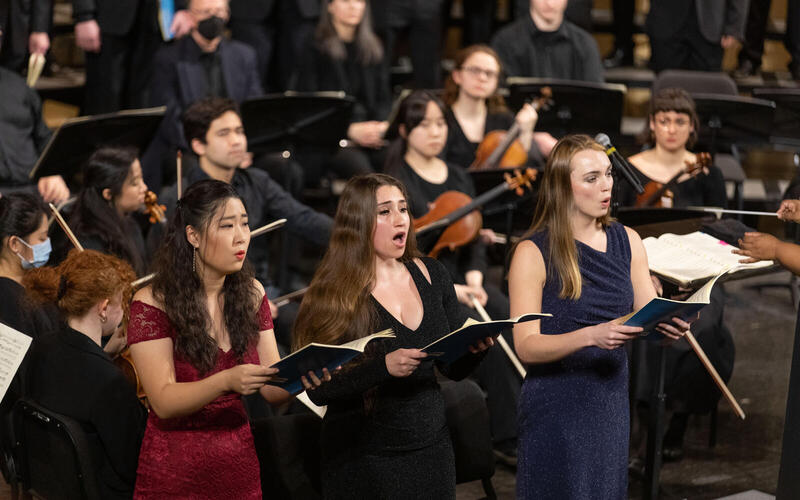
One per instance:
(786,125)
(579,107)
(285,122)
(733,120)
(77,139)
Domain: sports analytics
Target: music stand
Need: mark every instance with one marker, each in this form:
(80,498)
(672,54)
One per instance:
(733,119)
(284,122)
(786,124)
(579,107)
(77,139)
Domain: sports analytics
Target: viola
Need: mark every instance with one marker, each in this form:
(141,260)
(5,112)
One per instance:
(659,195)
(458,212)
(500,148)
(153,209)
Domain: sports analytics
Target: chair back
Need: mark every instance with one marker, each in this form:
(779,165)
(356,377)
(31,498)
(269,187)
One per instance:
(696,82)
(54,459)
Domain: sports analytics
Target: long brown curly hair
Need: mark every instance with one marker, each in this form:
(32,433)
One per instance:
(336,308)
(182,292)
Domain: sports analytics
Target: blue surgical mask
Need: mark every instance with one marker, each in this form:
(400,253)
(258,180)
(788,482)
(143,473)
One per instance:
(41,252)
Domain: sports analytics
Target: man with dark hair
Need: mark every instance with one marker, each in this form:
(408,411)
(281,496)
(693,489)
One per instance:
(23,136)
(203,64)
(544,44)
(215,134)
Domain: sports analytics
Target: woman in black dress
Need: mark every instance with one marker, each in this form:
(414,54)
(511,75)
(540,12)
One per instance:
(69,372)
(345,55)
(474,108)
(384,434)
(113,189)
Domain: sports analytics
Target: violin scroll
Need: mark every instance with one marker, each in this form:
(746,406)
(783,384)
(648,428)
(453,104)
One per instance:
(156,211)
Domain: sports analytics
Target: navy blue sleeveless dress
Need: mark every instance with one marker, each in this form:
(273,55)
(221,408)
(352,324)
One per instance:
(573,413)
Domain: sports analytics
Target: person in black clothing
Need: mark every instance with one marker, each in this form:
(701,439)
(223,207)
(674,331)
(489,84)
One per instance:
(672,127)
(544,44)
(24,24)
(384,434)
(474,108)
(203,64)
(755,31)
(23,236)
(214,131)
(70,374)
(413,160)
(23,137)
(345,55)
(101,216)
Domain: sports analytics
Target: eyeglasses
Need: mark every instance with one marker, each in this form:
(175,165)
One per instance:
(476,72)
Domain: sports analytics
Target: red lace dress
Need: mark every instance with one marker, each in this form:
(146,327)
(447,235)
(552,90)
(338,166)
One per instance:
(209,454)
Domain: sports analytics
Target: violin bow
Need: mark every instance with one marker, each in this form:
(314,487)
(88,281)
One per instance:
(65,227)
(179,173)
(257,232)
(500,340)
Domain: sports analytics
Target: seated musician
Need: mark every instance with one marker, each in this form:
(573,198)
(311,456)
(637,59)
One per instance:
(474,108)
(345,54)
(672,127)
(413,159)
(214,131)
(24,136)
(100,218)
(70,374)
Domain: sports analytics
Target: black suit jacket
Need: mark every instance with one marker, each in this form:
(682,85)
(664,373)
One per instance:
(179,80)
(71,375)
(23,17)
(716,18)
(256,11)
(115,17)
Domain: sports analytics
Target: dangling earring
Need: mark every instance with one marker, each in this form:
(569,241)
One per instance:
(103,319)
(194,258)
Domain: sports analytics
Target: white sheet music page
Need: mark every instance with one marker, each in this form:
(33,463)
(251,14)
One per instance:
(13,346)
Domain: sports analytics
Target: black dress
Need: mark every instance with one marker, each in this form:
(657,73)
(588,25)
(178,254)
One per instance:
(386,437)
(71,375)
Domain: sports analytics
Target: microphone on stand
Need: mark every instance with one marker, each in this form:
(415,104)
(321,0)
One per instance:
(618,162)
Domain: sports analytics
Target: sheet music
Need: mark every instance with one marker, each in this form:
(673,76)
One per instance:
(13,346)
(319,410)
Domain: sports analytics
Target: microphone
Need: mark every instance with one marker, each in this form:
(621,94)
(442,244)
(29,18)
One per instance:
(618,162)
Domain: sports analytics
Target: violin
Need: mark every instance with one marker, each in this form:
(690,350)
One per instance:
(458,212)
(124,362)
(153,209)
(660,195)
(500,148)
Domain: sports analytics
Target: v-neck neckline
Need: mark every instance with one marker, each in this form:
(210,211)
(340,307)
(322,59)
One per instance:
(419,294)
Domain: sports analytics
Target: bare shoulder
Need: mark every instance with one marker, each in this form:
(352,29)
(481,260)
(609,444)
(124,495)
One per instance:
(527,259)
(259,287)
(637,247)
(422,267)
(145,295)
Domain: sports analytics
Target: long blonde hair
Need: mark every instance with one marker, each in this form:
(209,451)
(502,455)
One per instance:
(553,213)
(336,308)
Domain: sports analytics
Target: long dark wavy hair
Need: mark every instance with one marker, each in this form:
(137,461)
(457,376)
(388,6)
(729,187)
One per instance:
(368,46)
(410,113)
(181,291)
(94,216)
(336,308)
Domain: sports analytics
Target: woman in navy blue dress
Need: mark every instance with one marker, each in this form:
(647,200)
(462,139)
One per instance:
(587,270)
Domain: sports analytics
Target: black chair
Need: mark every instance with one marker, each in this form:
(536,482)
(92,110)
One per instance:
(53,456)
(468,420)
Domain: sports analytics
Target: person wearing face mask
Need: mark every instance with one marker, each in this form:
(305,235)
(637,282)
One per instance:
(204,64)
(546,45)
(101,217)
(69,372)
(23,236)
(119,38)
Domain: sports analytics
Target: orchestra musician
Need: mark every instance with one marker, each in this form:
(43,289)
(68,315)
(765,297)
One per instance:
(474,108)
(201,337)
(671,129)
(345,55)
(69,372)
(587,270)
(384,434)
(112,191)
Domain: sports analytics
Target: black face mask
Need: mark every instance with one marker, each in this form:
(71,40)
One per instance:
(211,27)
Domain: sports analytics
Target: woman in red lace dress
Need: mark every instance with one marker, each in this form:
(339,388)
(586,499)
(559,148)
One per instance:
(201,337)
